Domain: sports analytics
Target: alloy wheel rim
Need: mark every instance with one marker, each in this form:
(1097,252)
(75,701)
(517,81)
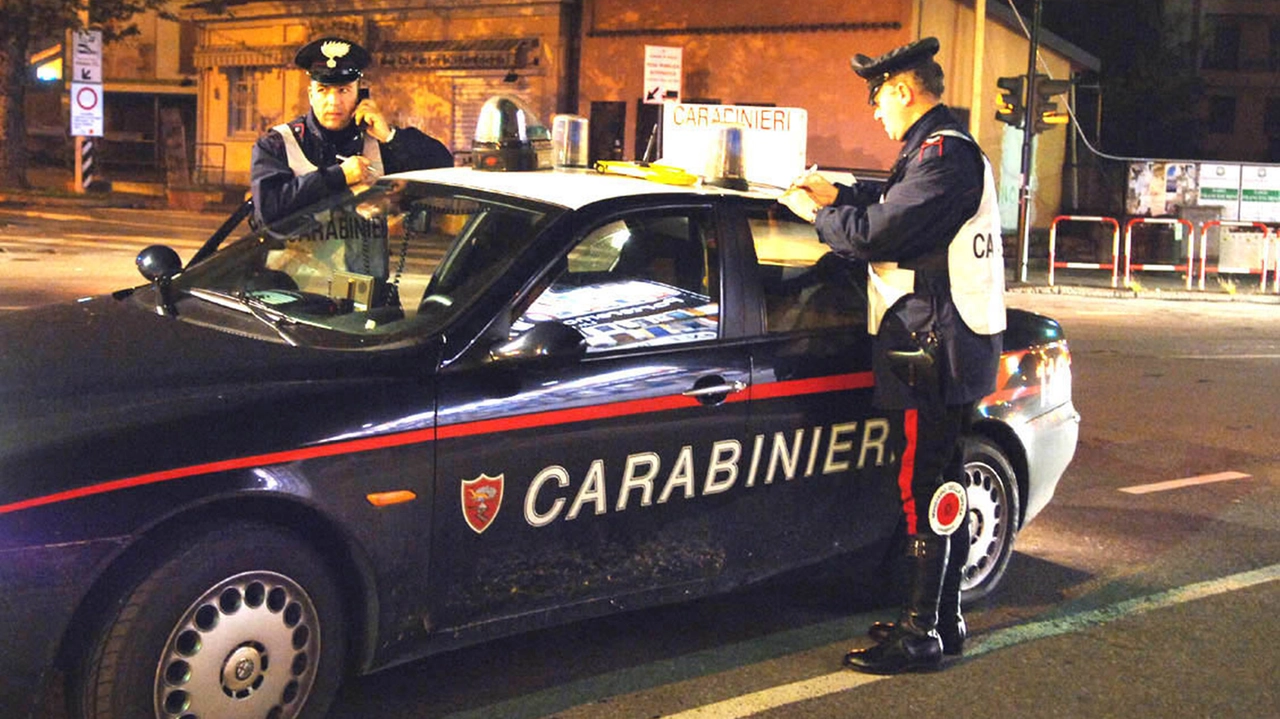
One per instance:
(247,648)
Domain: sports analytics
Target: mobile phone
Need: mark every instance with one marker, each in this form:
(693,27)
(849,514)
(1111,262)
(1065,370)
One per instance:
(362,94)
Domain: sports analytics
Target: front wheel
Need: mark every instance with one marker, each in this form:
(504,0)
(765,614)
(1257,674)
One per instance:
(238,621)
(992,490)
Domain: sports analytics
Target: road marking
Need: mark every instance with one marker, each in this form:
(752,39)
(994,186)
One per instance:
(1185,482)
(792,693)
(773,698)
(1227,357)
(1130,607)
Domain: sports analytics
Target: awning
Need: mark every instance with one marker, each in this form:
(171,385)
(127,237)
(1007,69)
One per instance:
(243,56)
(477,54)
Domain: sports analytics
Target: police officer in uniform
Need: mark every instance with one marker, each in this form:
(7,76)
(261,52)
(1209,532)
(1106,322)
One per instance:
(930,235)
(342,142)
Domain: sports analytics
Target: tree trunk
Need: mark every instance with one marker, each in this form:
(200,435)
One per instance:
(14,160)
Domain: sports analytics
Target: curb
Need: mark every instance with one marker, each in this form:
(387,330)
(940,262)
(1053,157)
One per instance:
(1155,294)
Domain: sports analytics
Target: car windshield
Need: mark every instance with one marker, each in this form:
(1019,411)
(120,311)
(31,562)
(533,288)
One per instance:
(390,265)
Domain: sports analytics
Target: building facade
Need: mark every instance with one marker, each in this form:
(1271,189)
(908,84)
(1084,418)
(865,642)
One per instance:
(436,61)
(434,64)
(1239,51)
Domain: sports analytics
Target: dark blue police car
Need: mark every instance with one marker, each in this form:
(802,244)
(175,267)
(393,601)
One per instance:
(457,405)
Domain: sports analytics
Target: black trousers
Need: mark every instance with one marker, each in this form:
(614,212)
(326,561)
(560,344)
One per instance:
(931,455)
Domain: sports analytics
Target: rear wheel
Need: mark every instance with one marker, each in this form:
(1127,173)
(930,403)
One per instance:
(241,621)
(992,490)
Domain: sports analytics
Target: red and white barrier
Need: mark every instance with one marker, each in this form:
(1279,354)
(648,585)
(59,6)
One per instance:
(1130,265)
(1220,269)
(1114,265)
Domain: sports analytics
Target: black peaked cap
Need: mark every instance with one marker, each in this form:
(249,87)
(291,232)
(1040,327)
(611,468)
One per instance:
(875,70)
(333,60)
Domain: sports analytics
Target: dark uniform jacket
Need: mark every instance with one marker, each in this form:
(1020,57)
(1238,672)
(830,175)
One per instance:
(933,189)
(277,192)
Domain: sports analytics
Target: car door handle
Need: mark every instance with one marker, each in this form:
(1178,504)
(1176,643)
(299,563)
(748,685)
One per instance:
(715,389)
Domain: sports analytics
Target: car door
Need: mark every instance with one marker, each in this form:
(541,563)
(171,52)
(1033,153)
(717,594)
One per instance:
(564,479)
(815,441)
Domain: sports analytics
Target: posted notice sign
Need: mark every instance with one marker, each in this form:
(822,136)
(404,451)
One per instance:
(86,109)
(1260,193)
(663,68)
(86,56)
(774,139)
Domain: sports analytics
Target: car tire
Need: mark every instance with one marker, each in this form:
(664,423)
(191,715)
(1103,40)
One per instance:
(238,620)
(992,490)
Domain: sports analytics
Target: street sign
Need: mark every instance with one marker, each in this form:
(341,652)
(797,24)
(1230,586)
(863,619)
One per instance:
(663,69)
(86,109)
(86,56)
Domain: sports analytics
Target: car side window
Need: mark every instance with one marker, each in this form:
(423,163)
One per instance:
(641,280)
(805,285)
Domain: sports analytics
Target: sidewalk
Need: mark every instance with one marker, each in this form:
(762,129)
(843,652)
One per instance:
(51,187)
(1145,285)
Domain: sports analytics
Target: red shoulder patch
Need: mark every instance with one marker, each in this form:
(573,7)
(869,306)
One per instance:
(933,141)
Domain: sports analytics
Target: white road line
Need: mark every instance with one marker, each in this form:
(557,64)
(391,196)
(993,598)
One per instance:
(748,704)
(1185,482)
(1227,357)
(767,699)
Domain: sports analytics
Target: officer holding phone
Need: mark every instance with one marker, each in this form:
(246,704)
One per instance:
(344,141)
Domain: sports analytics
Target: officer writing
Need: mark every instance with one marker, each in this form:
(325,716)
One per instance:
(342,142)
(930,235)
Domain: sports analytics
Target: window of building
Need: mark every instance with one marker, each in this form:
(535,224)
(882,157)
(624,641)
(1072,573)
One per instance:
(1223,52)
(1271,118)
(1273,47)
(1222,114)
(242,101)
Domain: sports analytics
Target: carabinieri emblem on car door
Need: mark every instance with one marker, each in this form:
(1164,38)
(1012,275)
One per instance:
(481,500)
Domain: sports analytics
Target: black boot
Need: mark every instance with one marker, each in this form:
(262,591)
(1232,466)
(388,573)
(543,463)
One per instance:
(913,645)
(951,626)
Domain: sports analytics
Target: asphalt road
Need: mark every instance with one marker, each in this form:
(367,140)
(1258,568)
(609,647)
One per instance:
(1157,601)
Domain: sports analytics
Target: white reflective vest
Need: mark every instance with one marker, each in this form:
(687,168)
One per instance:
(975,263)
(300,165)
(364,249)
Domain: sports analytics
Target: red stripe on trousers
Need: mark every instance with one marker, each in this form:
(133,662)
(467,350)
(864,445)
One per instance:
(907,470)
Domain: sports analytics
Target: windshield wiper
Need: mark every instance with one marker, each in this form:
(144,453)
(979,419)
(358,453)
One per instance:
(259,310)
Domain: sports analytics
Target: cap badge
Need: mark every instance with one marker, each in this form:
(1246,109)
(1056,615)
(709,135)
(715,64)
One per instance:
(333,50)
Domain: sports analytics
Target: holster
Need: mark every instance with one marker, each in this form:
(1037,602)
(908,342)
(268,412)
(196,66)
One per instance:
(918,367)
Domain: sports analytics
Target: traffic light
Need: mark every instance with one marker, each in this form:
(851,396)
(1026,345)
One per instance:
(1046,111)
(1009,109)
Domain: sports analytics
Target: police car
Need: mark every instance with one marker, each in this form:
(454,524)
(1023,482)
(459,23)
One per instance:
(457,405)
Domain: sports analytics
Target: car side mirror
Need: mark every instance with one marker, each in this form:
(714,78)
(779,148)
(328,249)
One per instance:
(158,262)
(541,341)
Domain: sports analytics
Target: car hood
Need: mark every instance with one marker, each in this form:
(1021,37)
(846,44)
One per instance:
(80,382)
(103,345)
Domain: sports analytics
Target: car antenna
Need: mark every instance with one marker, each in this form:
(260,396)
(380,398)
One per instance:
(651,146)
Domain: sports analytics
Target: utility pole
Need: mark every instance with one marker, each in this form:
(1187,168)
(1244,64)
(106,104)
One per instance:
(1028,135)
(979,50)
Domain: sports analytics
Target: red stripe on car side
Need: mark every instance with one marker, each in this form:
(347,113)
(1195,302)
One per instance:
(773,390)
(292,455)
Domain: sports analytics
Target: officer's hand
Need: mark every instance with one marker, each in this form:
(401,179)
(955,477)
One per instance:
(799,201)
(356,169)
(368,114)
(819,188)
